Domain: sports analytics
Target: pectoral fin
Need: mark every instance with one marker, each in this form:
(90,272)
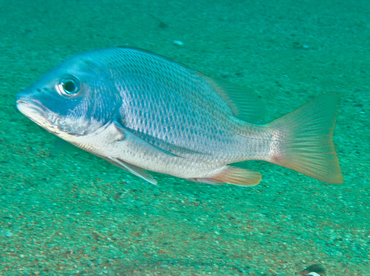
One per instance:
(136,138)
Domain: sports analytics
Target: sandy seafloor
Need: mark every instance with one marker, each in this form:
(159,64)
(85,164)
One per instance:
(71,213)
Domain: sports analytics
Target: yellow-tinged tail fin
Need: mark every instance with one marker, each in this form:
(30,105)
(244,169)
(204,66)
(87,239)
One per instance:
(303,140)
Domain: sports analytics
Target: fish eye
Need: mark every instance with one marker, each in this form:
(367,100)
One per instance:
(69,86)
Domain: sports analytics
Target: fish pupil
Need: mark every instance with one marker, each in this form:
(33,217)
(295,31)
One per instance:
(69,86)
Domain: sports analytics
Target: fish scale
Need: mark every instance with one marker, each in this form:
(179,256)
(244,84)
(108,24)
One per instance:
(158,100)
(143,112)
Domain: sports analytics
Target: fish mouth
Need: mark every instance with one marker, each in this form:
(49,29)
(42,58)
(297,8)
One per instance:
(35,111)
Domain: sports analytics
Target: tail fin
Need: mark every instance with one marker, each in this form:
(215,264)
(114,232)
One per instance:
(304,140)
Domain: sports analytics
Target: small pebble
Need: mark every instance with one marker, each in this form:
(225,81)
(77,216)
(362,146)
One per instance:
(177,43)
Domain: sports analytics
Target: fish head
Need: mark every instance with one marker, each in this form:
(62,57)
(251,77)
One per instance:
(74,99)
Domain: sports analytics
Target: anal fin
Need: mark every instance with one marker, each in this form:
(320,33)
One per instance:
(233,175)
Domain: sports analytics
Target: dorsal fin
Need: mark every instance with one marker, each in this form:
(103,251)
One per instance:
(244,104)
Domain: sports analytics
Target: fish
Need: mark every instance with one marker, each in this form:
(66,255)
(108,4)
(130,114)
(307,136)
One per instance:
(146,113)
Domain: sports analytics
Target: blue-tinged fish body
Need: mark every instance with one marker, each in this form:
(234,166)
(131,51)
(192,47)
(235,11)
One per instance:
(144,112)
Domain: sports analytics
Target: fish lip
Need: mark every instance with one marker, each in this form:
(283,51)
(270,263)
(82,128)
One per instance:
(34,110)
(26,105)
(39,114)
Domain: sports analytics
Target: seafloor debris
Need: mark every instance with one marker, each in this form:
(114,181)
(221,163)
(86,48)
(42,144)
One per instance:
(313,270)
(177,42)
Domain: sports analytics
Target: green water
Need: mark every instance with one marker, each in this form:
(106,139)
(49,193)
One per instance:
(71,213)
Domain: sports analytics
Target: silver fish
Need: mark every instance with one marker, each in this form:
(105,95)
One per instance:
(143,112)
